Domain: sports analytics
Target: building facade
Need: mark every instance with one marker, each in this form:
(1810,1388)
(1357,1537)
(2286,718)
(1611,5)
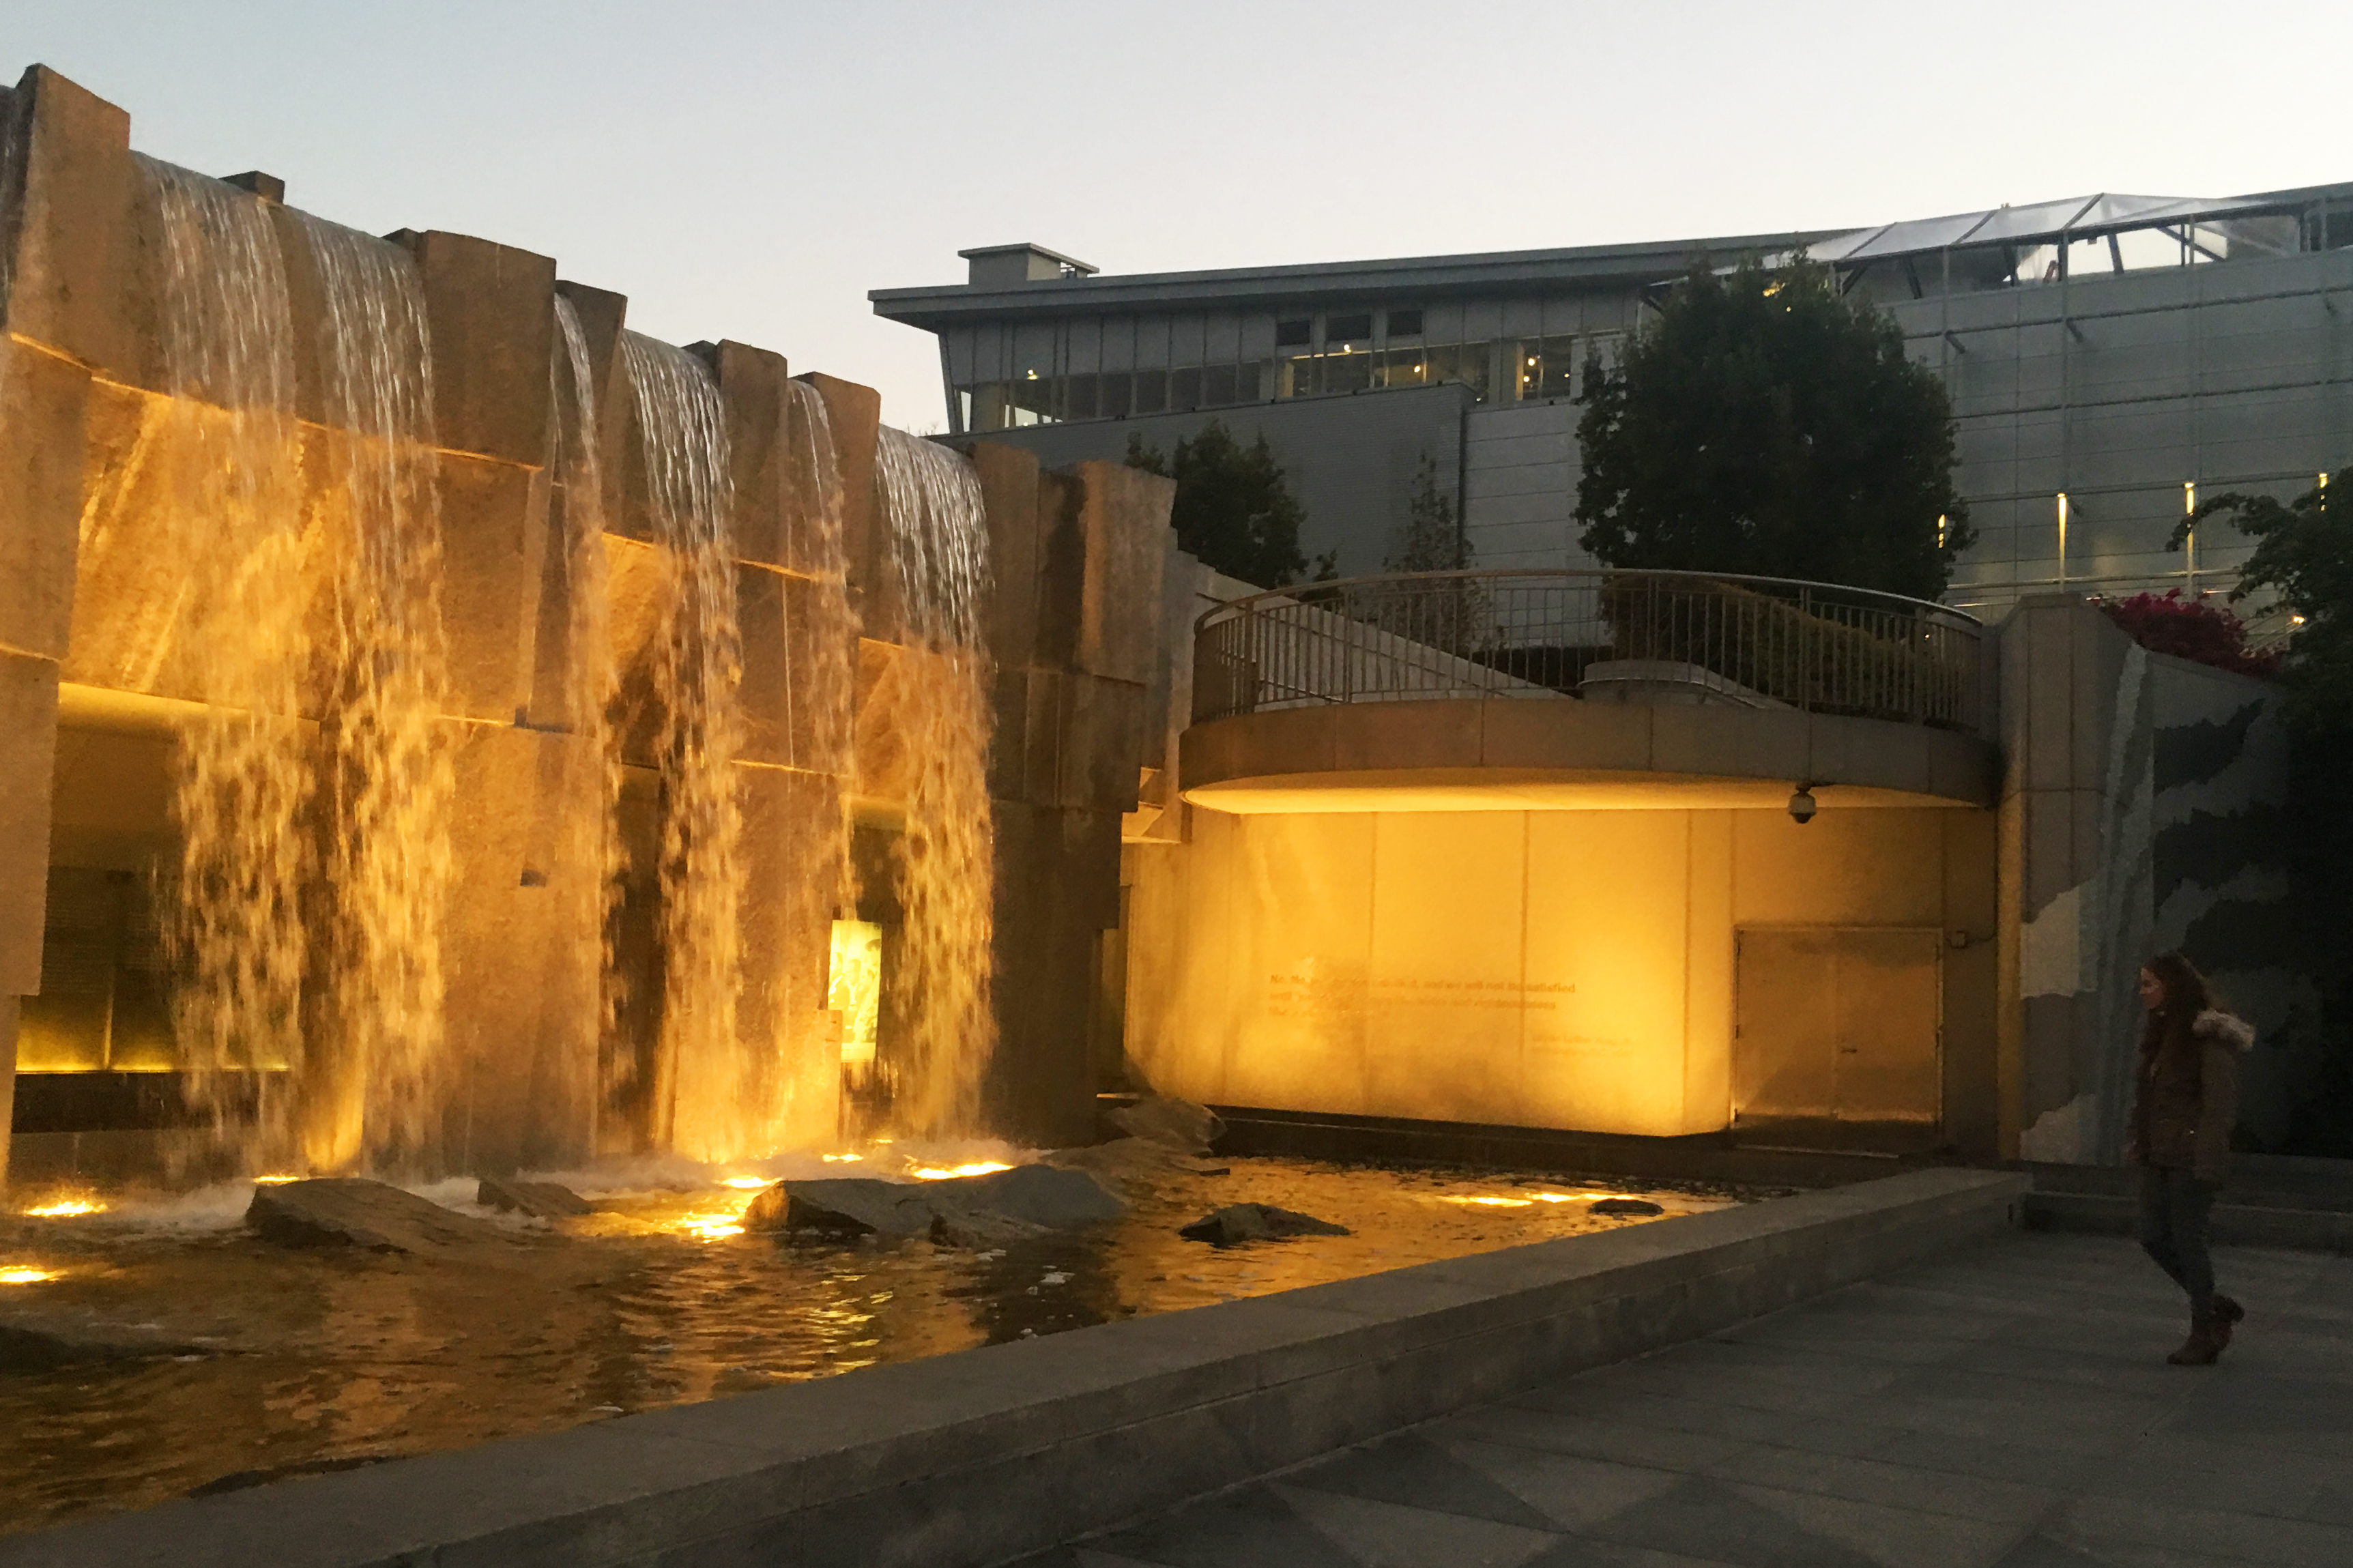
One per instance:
(2110,360)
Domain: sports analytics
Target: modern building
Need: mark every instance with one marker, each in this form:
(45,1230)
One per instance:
(2110,359)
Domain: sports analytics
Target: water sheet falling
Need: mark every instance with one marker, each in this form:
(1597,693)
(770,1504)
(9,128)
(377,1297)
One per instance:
(379,1075)
(704,1076)
(946,866)
(589,679)
(230,525)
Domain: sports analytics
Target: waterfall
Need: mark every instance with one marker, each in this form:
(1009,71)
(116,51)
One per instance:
(704,1076)
(589,679)
(230,525)
(389,778)
(946,866)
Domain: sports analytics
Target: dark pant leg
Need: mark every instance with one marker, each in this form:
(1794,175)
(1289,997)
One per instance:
(2191,1203)
(2156,1224)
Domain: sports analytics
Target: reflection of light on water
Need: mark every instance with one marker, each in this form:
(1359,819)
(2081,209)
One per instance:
(24,1274)
(842,1159)
(943,1172)
(745,1182)
(1572,1198)
(711,1226)
(274,1181)
(1492,1202)
(67,1206)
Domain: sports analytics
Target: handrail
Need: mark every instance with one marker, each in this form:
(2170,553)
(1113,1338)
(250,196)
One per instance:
(1769,642)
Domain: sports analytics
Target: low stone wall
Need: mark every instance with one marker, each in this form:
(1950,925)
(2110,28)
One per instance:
(979,1457)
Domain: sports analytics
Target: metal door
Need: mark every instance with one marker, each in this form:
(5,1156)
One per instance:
(1838,1023)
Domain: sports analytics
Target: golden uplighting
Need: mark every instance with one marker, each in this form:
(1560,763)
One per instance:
(713,1226)
(1492,1202)
(943,1172)
(745,1182)
(274,1181)
(66,1206)
(24,1274)
(842,1159)
(1572,1198)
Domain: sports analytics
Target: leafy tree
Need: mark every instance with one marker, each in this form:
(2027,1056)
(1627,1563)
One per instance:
(1767,424)
(1432,540)
(2304,554)
(1233,510)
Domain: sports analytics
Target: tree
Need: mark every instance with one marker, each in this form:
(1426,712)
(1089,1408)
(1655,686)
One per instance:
(1432,540)
(2304,554)
(2192,630)
(1766,424)
(1233,510)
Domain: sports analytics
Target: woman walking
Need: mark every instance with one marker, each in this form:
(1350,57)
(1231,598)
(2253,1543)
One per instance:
(2186,1103)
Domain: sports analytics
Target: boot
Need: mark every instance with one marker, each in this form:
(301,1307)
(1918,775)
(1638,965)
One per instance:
(2226,1314)
(2199,1349)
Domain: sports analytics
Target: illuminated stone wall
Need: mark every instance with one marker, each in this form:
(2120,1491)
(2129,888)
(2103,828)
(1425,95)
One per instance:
(1564,969)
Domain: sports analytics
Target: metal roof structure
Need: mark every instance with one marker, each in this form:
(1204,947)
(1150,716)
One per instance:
(2043,223)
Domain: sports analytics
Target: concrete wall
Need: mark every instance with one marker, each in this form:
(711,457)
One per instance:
(2144,809)
(1349,460)
(1565,969)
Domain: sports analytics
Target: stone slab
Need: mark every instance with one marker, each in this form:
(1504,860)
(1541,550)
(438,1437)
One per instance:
(29,746)
(493,329)
(44,407)
(2233,1224)
(968,1459)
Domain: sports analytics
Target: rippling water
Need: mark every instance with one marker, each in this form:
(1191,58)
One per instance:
(313,1360)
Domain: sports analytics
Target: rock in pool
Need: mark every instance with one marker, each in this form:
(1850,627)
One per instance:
(1179,1123)
(351,1211)
(1256,1222)
(1003,1206)
(540,1200)
(1625,1205)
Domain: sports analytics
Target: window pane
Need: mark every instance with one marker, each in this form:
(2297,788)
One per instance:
(1184,389)
(1347,328)
(1293,334)
(1113,392)
(1405,323)
(1559,367)
(1218,385)
(1298,376)
(1151,391)
(1404,367)
(1252,382)
(1081,397)
(1528,367)
(1347,371)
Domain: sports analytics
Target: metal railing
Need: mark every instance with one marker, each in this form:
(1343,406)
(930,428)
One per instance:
(1765,642)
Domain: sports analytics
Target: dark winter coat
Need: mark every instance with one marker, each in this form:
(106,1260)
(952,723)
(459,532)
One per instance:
(2187,1095)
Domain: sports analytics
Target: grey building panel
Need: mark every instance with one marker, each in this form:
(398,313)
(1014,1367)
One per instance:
(1083,348)
(1221,338)
(1185,338)
(1551,480)
(1503,451)
(1529,506)
(1523,318)
(957,344)
(1257,335)
(1152,341)
(1119,343)
(1442,323)
(1034,345)
(1483,322)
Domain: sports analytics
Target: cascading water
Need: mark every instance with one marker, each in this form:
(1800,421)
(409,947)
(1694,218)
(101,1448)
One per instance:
(705,1078)
(946,866)
(377,1075)
(232,528)
(589,679)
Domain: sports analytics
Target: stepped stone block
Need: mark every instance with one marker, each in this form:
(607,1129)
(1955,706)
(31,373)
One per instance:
(493,324)
(28,744)
(65,280)
(1123,523)
(1009,491)
(752,387)
(494,547)
(43,408)
(855,413)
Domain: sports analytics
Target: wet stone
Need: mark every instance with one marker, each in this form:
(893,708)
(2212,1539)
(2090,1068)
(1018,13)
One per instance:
(964,1211)
(351,1211)
(843,1205)
(540,1200)
(1625,1205)
(1178,1124)
(1256,1222)
(24,1348)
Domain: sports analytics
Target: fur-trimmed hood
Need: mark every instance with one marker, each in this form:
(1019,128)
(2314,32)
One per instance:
(2217,1028)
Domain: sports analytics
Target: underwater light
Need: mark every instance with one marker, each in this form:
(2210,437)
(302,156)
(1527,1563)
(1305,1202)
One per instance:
(942,1173)
(67,1207)
(274,1181)
(24,1274)
(842,1159)
(745,1182)
(1492,1202)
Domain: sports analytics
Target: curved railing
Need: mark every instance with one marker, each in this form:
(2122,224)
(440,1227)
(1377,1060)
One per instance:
(1764,642)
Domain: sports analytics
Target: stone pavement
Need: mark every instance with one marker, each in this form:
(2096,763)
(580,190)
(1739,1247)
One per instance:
(2007,1406)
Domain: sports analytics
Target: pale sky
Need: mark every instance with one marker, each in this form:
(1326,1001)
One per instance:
(750,170)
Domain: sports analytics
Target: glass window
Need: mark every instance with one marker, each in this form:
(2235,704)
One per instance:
(1404,367)
(1252,381)
(1347,328)
(1295,376)
(1184,389)
(1113,391)
(1349,372)
(1465,362)
(1294,334)
(1151,391)
(1033,397)
(1218,385)
(1545,367)
(1078,401)
(1405,323)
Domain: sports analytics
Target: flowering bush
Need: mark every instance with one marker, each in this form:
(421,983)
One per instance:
(2190,629)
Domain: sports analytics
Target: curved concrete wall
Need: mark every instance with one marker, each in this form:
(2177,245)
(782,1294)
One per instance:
(1513,754)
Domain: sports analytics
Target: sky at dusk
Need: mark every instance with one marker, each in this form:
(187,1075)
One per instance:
(750,170)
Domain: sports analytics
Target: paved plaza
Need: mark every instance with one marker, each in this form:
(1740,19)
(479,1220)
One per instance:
(2006,1405)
